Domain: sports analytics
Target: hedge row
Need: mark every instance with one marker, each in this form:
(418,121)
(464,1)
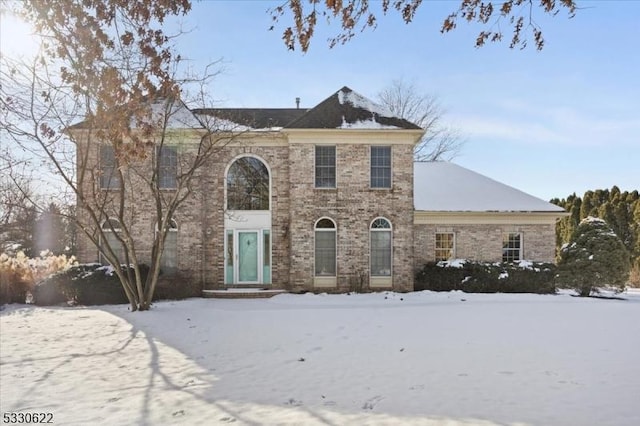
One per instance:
(94,284)
(484,277)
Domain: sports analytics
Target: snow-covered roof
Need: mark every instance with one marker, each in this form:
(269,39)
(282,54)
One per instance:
(443,186)
(177,115)
(346,109)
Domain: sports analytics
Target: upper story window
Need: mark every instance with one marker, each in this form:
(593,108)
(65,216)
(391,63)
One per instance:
(445,246)
(380,167)
(248,185)
(325,166)
(167,157)
(512,247)
(109,175)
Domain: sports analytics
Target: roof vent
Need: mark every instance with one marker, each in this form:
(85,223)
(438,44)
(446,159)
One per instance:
(297,103)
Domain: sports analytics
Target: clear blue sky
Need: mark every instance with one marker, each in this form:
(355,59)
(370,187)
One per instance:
(549,123)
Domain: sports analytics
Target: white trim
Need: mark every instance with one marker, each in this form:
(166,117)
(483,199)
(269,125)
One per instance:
(507,234)
(486,218)
(335,167)
(323,280)
(354,136)
(376,280)
(390,166)
(435,244)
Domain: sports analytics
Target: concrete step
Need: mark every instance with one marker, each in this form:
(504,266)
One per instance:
(240,293)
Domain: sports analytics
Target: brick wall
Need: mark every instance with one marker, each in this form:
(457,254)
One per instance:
(353,206)
(484,242)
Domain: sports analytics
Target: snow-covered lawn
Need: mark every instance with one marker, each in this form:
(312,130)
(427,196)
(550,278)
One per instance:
(418,358)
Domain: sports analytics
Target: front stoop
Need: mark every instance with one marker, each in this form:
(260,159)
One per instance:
(241,293)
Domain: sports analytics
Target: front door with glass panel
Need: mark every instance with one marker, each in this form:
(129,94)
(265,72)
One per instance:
(248,257)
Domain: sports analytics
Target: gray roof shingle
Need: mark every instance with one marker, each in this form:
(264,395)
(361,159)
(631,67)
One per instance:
(348,109)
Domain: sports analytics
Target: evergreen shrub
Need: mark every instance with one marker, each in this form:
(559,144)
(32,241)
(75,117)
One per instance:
(85,284)
(95,284)
(594,258)
(177,285)
(487,277)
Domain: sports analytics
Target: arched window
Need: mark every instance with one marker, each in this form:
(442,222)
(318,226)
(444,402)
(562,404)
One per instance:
(169,259)
(110,229)
(325,248)
(248,185)
(380,231)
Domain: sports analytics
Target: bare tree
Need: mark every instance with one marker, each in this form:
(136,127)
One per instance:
(353,15)
(103,107)
(440,142)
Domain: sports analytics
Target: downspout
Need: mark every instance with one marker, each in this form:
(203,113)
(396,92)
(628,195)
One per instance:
(203,219)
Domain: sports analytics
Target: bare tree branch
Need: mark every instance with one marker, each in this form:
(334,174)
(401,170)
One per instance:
(358,15)
(440,142)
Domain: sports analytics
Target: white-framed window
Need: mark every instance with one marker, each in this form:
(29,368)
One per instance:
(445,246)
(325,248)
(381,248)
(380,167)
(110,229)
(512,247)
(248,184)
(325,166)
(109,175)
(169,258)
(167,157)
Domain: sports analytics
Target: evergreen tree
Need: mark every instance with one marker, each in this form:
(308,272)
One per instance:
(588,208)
(20,233)
(594,258)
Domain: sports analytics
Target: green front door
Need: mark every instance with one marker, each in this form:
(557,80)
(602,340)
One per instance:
(248,256)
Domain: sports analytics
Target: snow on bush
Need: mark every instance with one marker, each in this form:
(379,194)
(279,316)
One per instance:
(595,257)
(487,277)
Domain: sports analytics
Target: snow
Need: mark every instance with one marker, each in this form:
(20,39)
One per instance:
(452,263)
(365,124)
(383,358)
(593,220)
(443,186)
(359,101)
(178,115)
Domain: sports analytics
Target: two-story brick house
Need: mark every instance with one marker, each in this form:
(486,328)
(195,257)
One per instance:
(325,200)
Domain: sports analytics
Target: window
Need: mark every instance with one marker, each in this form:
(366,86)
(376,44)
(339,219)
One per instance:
(169,259)
(109,175)
(512,247)
(167,157)
(110,228)
(248,185)
(325,260)
(380,248)
(445,246)
(325,166)
(380,167)
(228,273)
(266,256)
